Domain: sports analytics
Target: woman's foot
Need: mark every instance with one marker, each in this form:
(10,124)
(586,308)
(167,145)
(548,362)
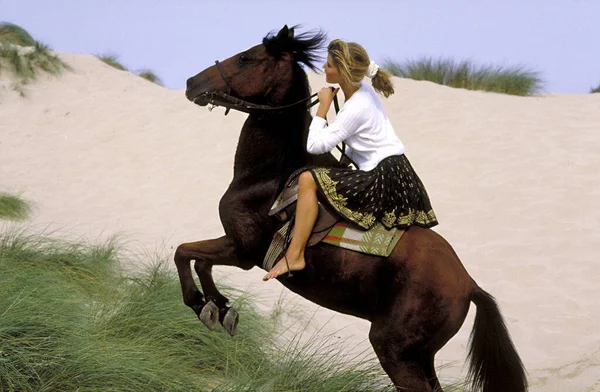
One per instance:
(295,264)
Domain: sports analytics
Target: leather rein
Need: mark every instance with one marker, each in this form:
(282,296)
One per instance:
(231,102)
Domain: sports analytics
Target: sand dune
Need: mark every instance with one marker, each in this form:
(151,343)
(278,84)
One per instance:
(515,183)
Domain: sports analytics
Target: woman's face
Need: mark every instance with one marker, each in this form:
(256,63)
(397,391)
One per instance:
(332,73)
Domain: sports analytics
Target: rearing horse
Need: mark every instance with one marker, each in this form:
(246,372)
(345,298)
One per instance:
(416,299)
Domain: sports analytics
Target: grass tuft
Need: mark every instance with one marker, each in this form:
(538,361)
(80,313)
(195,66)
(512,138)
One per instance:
(13,207)
(595,90)
(15,35)
(150,76)
(24,58)
(113,61)
(71,319)
(465,74)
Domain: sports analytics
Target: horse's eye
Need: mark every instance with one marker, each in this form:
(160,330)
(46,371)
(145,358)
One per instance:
(244,58)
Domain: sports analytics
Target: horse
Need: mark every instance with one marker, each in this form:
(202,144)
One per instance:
(416,299)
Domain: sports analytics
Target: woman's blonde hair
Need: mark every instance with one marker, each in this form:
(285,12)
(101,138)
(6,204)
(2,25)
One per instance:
(353,62)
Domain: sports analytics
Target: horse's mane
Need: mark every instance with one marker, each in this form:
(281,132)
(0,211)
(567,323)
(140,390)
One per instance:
(304,47)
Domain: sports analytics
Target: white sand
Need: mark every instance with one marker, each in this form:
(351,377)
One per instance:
(515,183)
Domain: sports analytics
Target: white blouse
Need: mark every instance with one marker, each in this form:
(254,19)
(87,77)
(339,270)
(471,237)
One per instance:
(363,125)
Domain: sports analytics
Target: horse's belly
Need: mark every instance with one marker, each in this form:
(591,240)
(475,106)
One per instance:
(340,280)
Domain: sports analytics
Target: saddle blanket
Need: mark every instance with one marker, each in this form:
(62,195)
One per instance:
(377,241)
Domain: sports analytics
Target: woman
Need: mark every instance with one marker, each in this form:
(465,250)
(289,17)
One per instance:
(385,188)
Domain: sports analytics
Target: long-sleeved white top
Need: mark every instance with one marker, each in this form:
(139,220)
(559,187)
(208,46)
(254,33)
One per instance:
(363,125)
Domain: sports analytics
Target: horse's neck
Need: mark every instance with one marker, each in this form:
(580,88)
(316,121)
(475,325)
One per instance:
(269,149)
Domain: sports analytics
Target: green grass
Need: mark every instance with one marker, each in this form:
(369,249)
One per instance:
(465,74)
(149,75)
(595,90)
(24,58)
(71,319)
(113,61)
(13,208)
(15,35)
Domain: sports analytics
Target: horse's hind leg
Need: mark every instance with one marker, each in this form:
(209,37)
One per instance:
(406,364)
(212,308)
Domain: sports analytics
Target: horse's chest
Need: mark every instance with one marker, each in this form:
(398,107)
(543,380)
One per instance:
(245,225)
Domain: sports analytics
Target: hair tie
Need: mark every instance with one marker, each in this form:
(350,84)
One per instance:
(372,71)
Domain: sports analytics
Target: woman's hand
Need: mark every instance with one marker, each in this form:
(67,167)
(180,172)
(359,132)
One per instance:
(325,95)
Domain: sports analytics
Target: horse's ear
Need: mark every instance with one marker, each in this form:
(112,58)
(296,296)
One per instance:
(284,32)
(291,33)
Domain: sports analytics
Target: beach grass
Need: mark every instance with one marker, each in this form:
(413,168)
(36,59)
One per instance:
(113,60)
(595,90)
(15,35)
(24,58)
(466,74)
(71,319)
(149,75)
(13,207)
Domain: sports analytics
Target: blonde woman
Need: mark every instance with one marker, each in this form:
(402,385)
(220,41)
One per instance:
(385,187)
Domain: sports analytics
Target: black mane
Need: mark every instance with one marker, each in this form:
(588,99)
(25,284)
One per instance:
(304,47)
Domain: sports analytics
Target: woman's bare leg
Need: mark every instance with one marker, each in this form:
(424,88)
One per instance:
(306,215)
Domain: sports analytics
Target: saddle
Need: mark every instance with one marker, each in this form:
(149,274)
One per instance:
(286,210)
(329,228)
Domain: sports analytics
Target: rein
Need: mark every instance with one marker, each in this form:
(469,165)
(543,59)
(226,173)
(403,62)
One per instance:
(231,102)
(245,106)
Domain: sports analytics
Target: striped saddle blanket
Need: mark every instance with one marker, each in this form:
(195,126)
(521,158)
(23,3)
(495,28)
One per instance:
(377,241)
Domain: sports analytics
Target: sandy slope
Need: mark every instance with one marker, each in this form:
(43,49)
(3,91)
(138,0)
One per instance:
(515,183)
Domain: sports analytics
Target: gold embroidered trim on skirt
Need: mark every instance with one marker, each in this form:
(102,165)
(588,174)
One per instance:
(409,188)
(339,202)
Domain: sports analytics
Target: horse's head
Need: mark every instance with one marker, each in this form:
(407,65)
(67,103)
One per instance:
(263,74)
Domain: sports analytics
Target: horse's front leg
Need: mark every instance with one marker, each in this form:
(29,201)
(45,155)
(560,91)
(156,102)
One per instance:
(212,308)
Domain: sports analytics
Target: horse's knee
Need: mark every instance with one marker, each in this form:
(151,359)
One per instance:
(306,182)
(179,253)
(182,254)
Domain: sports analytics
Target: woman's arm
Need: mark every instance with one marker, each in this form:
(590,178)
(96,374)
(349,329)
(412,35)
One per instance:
(323,138)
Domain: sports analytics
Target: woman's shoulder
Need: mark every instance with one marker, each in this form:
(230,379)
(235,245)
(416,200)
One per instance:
(361,97)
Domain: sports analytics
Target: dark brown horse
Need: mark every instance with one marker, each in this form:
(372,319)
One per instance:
(416,299)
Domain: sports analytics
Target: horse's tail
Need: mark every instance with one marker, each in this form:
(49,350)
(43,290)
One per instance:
(494,365)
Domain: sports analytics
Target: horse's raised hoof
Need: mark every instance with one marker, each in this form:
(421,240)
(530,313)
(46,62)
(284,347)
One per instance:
(210,315)
(230,321)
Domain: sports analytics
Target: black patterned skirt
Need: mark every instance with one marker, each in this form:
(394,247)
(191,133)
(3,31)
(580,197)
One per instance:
(392,194)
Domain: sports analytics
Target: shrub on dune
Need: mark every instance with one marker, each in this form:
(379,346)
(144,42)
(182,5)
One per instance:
(24,58)
(595,90)
(465,74)
(15,35)
(73,320)
(149,75)
(13,208)
(113,61)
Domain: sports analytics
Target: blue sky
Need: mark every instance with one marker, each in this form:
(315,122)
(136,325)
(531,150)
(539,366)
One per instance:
(178,38)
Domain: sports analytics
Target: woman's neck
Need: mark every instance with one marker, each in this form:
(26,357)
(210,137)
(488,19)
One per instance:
(348,90)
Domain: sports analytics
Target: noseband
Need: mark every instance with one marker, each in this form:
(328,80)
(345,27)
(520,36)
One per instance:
(245,106)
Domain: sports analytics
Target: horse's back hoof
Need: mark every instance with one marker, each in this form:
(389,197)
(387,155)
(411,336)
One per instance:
(210,315)
(230,321)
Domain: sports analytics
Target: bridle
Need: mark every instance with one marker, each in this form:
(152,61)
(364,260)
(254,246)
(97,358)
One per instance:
(231,102)
(245,106)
